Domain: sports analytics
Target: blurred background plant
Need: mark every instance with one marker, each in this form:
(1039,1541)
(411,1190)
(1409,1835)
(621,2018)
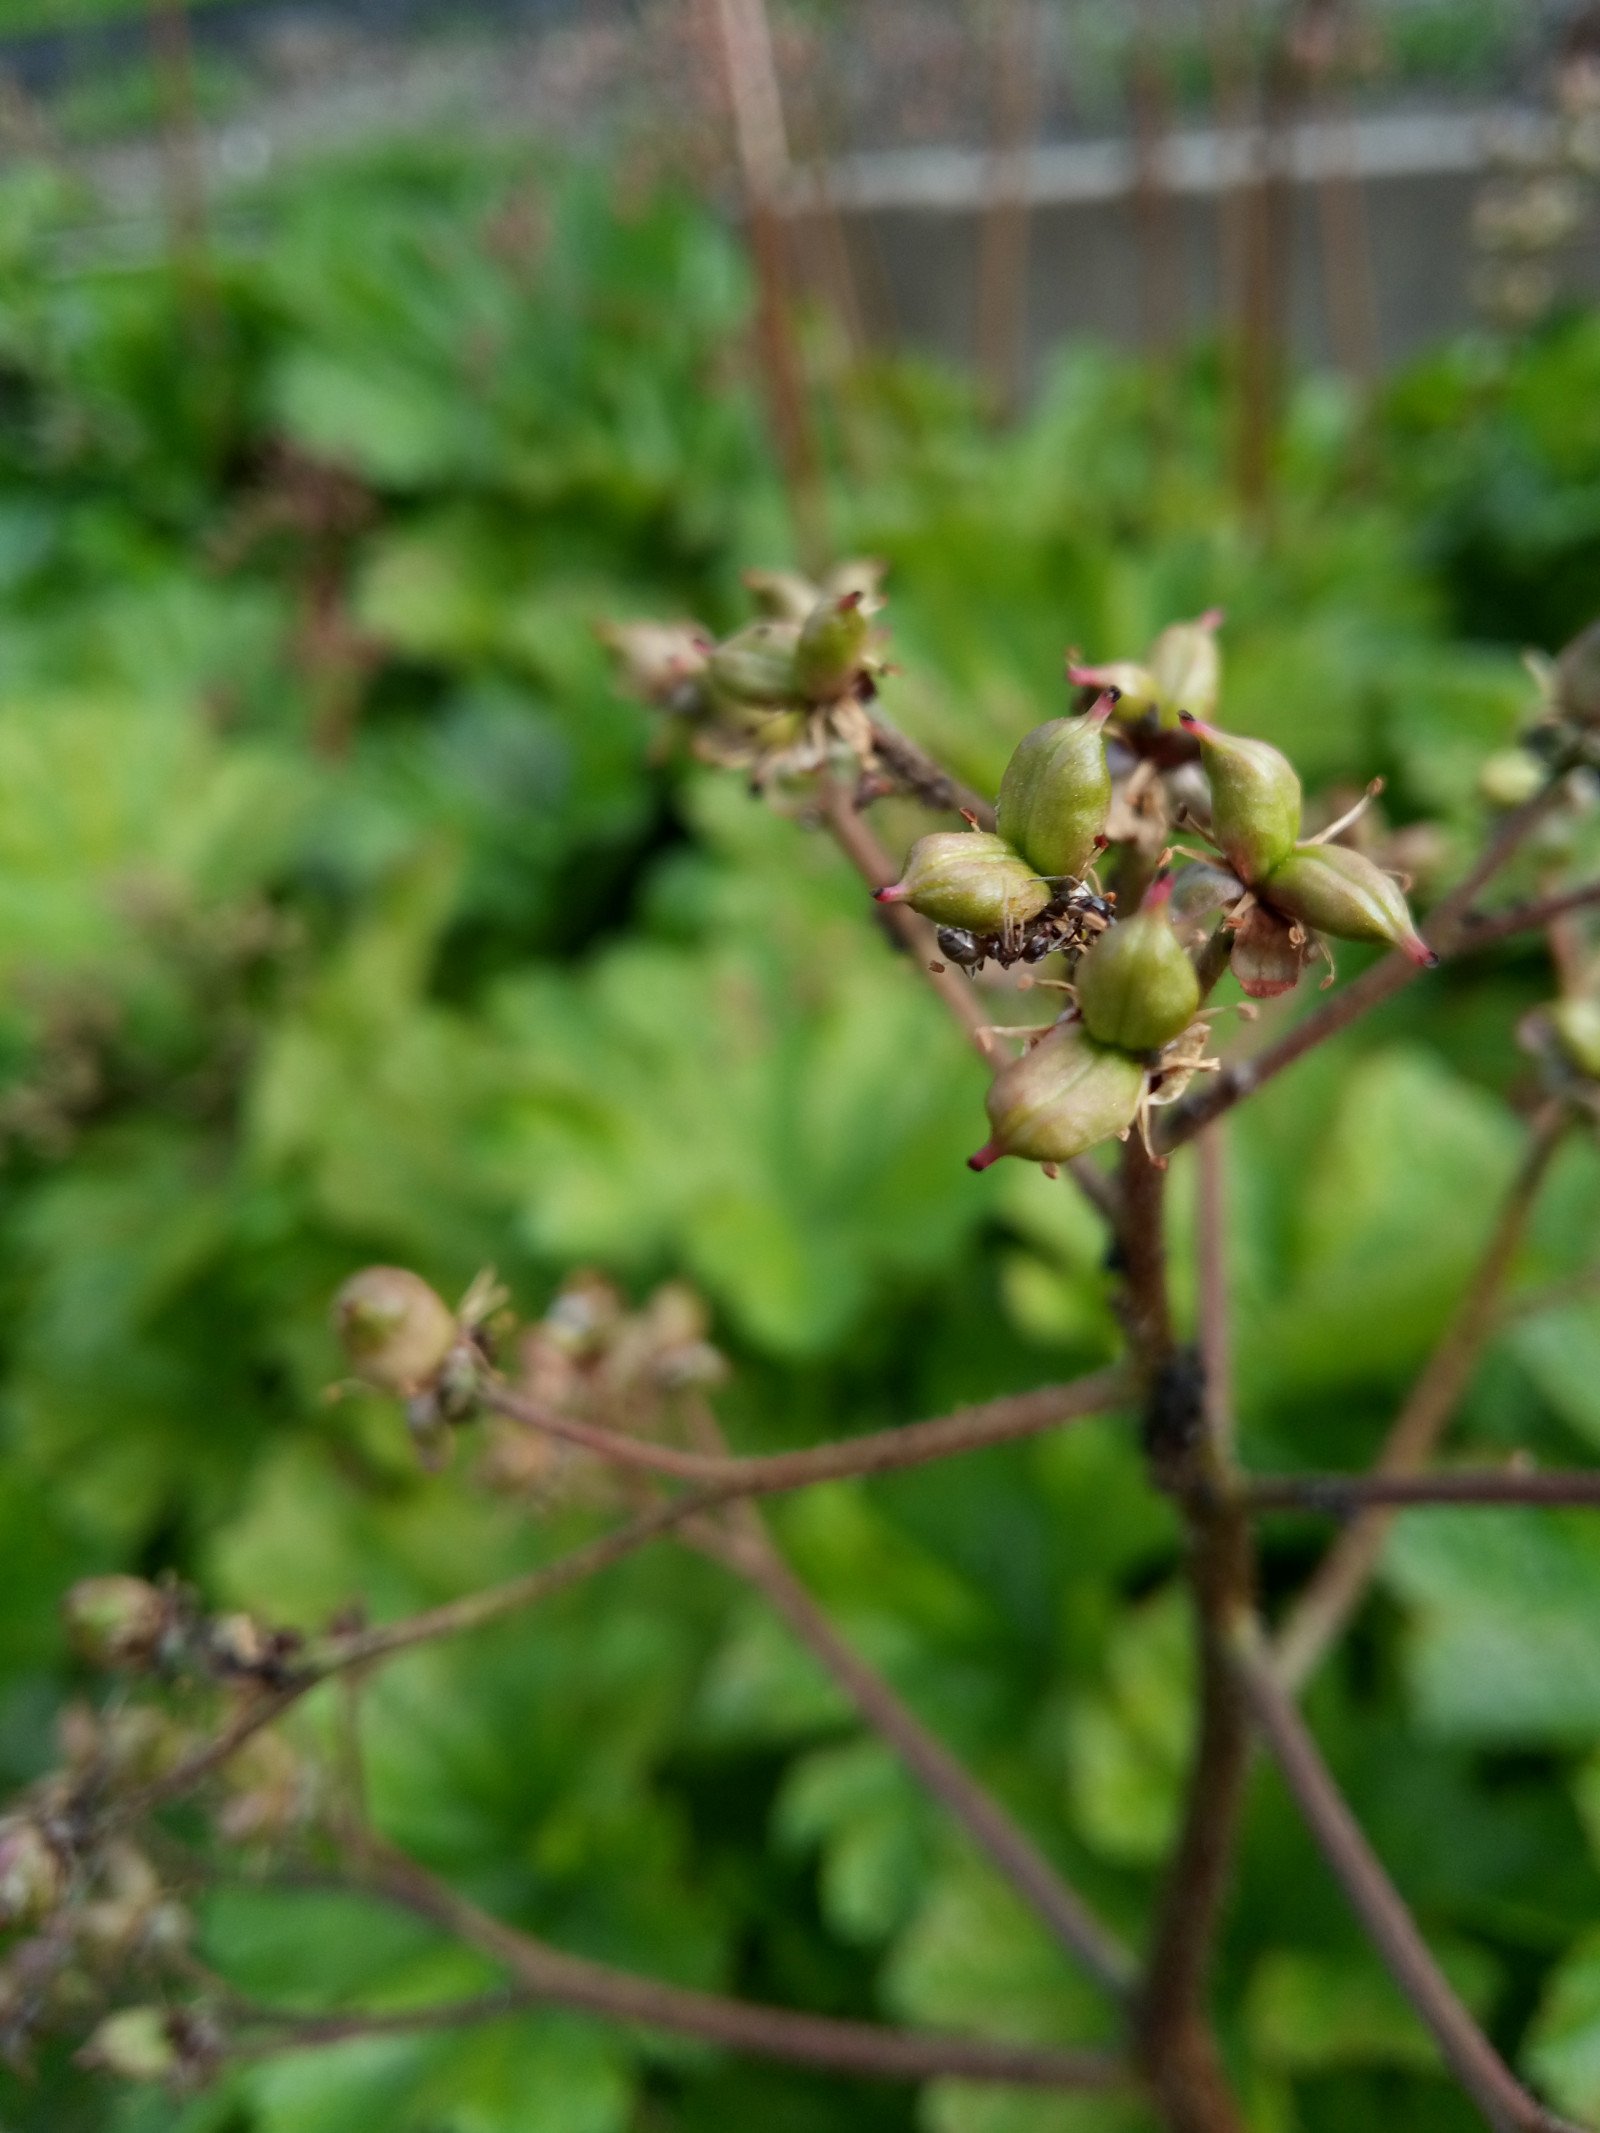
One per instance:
(350,911)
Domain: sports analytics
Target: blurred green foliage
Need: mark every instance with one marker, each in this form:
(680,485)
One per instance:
(347,912)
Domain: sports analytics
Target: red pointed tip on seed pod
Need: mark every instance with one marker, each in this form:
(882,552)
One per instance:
(1158,895)
(1212,619)
(990,1152)
(893,892)
(1104,704)
(1198,727)
(1420,953)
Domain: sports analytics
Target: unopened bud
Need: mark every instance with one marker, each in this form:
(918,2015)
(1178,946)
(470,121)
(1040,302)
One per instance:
(135,2044)
(1186,667)
(969,879)
(1341,892)
(756,666)
(1577,678)
(33,1874)
(1138,692)
(1511,777)
(1255,799)
(1576,1023)
(117,1622)
(395,1330)
(1137,989)
(1055,795)
(662,662)
(1062,1097)
(827,658)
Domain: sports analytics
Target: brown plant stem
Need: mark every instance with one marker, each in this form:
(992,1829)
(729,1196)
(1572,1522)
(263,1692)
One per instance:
(1211,1283)
(1333,1594)
(1001,1421)
(1339,1494)
(750,1552)
(1174,2039)
(1504,2102)
(924,778)
(742,35)
(557,1979)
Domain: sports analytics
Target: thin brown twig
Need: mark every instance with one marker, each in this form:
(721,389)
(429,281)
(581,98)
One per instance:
(1211,1283)
(750,1552)
(558,1979)
(1496,2091)
(1338,1494)
(925,778)
(742,36)
(1334,1593)
(1001,1421)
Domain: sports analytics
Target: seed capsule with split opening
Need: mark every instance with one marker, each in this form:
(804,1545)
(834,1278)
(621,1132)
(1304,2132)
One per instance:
(1055,795)
(969,879)
(395,1330)
(1061,1098)
(833,638)
(1137,988)
(1338,891)
(1255,799)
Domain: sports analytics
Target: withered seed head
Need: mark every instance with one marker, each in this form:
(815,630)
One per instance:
(395,1330)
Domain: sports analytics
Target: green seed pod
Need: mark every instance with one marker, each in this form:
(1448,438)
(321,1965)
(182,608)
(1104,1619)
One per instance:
(1511,777)
(116,1622)
(33,1874)
(756,665)
(395,1330)
(968,878)
(1055,796)
(828,655)
(1255,799)
(1186,668)
(135,2044)
(1138,693)
(1338,891)
(1577,678)
(1061,1098)
(1576,1023)
(1137,989)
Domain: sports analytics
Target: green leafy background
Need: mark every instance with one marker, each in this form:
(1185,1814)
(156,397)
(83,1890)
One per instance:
(348,912)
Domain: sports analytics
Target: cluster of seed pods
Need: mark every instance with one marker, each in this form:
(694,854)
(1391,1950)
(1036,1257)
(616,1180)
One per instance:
(1136,987)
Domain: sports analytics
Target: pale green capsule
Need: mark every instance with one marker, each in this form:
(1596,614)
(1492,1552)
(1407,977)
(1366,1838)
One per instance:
(1137,988)
(969,879)
(1061,1098)
(1055,796)
(1255,799)
(1338,891)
